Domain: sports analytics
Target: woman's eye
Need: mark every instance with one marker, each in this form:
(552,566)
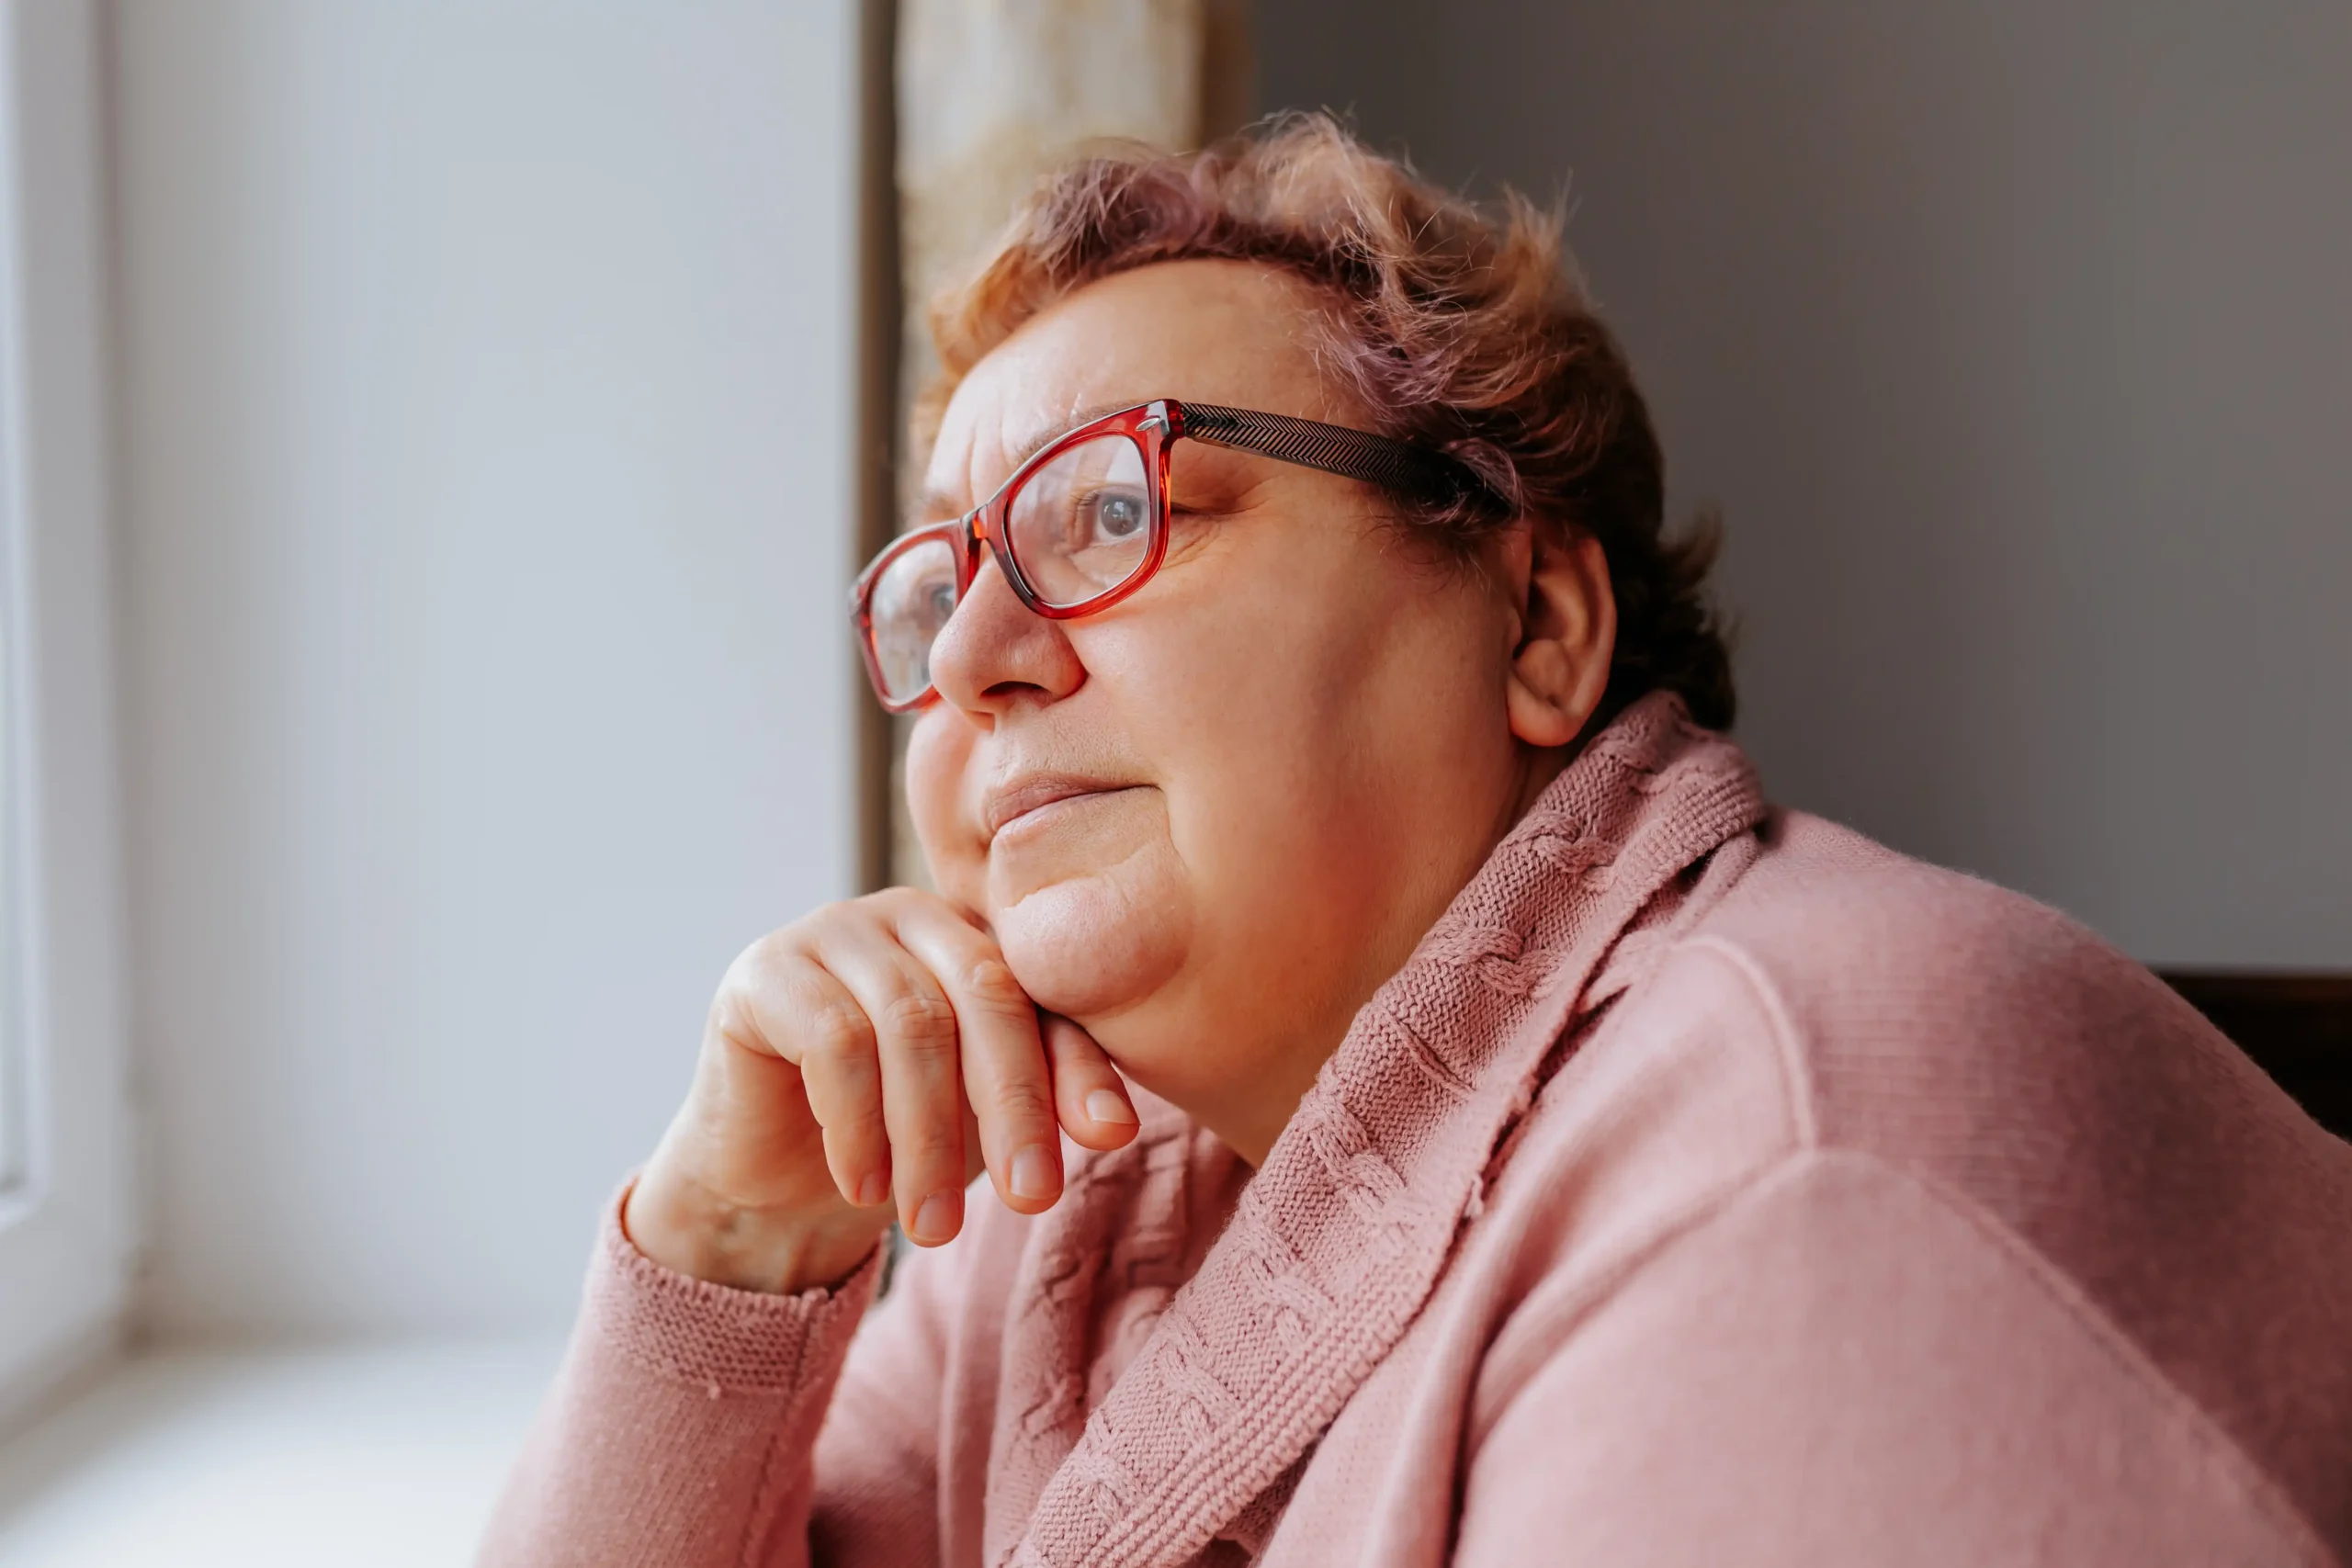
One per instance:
(1119,515)
(941,598)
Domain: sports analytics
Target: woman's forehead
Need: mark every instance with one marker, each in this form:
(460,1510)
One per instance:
(1216,332)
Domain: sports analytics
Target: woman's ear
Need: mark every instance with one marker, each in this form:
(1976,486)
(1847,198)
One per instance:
(1568,632)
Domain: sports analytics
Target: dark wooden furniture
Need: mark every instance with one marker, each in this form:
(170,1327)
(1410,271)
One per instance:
(2298,1027)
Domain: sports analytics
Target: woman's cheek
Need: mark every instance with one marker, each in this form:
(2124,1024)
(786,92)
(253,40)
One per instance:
(937,753)
(1092,945)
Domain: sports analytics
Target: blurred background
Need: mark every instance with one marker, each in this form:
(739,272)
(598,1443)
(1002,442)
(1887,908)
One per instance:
(435,438)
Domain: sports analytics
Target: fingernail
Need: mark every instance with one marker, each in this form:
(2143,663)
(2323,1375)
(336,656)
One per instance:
(873,1189)
(1104,1105)
(1034,1175)
(936,1221)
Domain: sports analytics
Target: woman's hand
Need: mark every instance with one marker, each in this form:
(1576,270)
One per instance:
(877,1050)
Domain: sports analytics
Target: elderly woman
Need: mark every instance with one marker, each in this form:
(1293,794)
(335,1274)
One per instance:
(1432,1107)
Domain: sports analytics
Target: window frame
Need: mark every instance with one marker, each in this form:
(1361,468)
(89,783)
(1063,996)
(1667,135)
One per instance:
(68,1224)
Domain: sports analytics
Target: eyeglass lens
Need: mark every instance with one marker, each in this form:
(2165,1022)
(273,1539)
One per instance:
(910,601)
(1077,527)
(1080,524)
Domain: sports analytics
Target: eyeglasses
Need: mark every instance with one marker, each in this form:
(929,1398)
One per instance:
(1084,523)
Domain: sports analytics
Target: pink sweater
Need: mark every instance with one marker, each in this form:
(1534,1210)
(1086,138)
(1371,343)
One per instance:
(1712,1186)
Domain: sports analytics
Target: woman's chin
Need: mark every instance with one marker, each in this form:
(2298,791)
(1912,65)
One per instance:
(1092,946)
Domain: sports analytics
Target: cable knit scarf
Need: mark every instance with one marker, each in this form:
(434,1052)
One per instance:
(1342,1235)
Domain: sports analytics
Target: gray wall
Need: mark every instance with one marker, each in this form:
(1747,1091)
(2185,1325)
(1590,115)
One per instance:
(2016,343)
(486,446)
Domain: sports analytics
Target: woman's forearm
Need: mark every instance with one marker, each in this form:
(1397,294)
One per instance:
(685,1419)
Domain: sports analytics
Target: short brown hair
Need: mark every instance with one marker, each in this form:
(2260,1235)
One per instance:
(1457,327)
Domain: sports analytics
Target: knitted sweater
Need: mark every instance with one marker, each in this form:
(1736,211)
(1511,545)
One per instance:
(1711,1186)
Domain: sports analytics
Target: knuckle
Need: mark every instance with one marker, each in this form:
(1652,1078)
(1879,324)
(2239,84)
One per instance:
(929,1150)
(920,1020)
(838,1031)
(770,952)
(740,983)
(730,1016)
(856,1121)
(813,930)
(989,982)
(1024,1101)
(769,967)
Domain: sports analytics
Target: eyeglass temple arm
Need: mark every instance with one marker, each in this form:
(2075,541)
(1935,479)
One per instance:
(1393,465)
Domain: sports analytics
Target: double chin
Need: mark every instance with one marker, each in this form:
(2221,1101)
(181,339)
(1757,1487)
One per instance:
(1091,931)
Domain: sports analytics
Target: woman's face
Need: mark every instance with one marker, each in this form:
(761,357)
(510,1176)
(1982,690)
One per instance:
(1207,822)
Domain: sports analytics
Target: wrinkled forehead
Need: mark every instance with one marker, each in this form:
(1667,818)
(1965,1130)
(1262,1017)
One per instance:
(1218,331)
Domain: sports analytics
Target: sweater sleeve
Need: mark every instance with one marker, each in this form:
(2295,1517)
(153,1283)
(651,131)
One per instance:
(1847,1367)
(684,1428)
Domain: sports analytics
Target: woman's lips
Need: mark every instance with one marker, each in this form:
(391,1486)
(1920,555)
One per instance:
(1023,799)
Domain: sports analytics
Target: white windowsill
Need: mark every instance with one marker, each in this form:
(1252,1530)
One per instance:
(360,1456)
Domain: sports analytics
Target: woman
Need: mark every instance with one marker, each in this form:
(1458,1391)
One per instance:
(1432,1107)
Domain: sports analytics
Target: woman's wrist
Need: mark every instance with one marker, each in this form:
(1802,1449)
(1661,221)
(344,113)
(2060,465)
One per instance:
(687,1229)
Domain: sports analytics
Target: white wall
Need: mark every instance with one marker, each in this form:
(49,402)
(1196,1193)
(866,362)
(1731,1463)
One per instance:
(2016,341)
(486,374)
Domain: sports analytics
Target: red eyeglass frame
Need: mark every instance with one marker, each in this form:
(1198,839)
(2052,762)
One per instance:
(1417,472)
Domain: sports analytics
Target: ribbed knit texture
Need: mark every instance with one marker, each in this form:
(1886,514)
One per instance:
(1710,1185)
(694,1332)
(1338,1240)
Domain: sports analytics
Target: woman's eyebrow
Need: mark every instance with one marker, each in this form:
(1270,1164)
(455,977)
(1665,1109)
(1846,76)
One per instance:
(1037,441)
(938,505)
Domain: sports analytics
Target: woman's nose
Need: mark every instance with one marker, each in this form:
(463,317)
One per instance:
(993,653)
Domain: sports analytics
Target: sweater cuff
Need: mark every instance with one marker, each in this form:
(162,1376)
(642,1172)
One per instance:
(713,1337)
